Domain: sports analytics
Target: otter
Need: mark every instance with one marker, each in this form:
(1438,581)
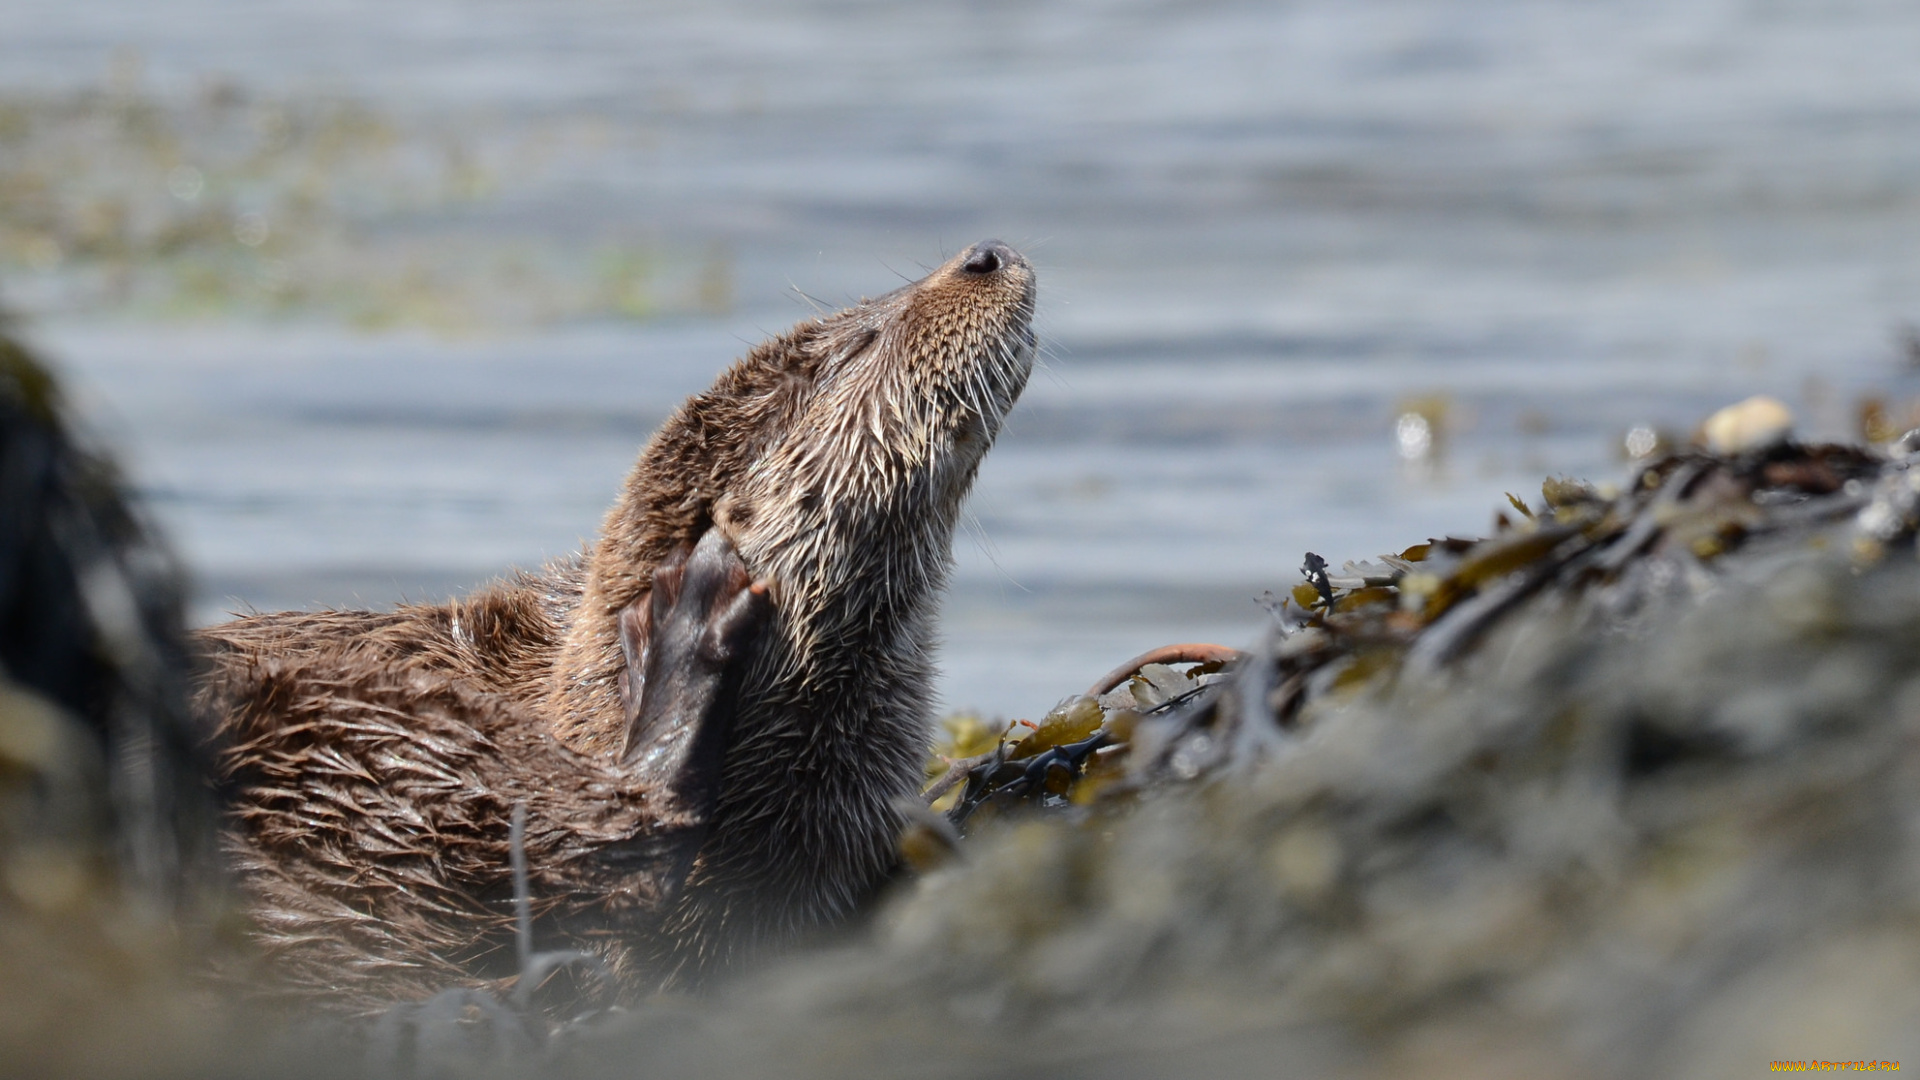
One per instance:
(709,714)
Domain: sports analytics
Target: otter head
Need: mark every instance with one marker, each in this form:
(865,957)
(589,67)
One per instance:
(850,509)
(834,458)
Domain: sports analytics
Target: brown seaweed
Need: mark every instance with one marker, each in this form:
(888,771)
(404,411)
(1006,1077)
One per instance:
(1421,610)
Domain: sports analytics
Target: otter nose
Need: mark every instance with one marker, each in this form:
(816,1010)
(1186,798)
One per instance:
(988,256)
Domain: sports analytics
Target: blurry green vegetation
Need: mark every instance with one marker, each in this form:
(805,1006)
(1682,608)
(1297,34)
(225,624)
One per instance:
(226,203)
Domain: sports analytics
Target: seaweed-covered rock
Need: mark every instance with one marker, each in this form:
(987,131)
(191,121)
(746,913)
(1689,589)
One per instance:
(1631,788)
(1621,560)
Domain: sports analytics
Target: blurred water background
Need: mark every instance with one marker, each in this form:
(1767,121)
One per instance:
(380,298)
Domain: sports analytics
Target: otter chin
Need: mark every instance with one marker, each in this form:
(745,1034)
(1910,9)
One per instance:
(709,714)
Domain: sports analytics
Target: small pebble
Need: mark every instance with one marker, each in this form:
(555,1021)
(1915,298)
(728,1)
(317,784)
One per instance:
(1753,424)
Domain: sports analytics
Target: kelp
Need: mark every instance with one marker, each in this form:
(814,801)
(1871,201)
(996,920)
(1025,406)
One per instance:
(1338,634)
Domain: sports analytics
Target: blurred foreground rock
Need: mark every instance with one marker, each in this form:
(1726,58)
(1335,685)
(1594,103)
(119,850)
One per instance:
(109,888)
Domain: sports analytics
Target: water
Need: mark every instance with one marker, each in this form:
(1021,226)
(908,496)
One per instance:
(1261,230)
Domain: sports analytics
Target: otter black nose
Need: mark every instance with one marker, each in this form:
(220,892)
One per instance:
(988,256)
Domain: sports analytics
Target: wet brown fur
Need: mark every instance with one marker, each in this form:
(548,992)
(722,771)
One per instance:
(377,755)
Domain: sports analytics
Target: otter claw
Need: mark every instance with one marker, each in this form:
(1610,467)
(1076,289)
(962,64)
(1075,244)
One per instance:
(735,630)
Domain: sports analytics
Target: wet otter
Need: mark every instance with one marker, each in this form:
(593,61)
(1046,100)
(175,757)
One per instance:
(709,713)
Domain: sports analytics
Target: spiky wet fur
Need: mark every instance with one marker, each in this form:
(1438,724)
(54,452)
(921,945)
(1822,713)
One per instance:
(836,458)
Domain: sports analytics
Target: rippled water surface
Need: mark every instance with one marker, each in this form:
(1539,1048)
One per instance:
(1263,232)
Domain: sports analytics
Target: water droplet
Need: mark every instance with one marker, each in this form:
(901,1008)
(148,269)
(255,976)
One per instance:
(186,183)
(250,229)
